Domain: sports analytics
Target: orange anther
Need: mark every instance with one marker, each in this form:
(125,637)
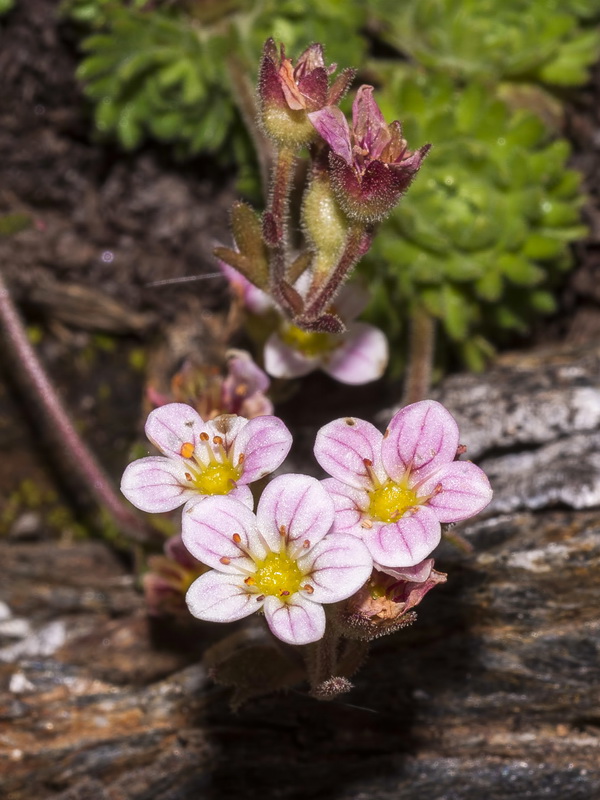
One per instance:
(284,593)
(306,544)
(236,538)
(188,477)
(217,440)
(187,450)
(204,436)
(308,588)
(367,462)
(225,560)
(249,581)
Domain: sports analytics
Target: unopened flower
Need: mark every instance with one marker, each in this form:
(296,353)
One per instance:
(359,355)
(287,92)
(391,594)
(395,489)
(283,560)
(218,457)
(169,577)
(241,390)
(371,166)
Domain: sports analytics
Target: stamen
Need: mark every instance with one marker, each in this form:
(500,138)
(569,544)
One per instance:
(241,459)
(218,440)
(204,436)
(285,593)
(236,538)
(260,598)
(386,433)
(350,421)
(188,477)
(308,589)
(282,530)
(225,560)
(366,523)
(306,544)
(249,581)
(371,473)
(461,450)
(187,450)
(241,389)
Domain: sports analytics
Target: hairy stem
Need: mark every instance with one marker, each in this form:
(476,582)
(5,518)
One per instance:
(321,658)
(320,298)
(33,381)
(421,349)
(276,217)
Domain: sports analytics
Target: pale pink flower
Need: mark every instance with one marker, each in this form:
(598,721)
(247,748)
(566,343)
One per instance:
(394,490)
(283,560)
(357,356)
(219,457)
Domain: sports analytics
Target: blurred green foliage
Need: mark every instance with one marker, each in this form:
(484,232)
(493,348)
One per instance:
(496,39)
(483,234)
(163,71)
(482,238)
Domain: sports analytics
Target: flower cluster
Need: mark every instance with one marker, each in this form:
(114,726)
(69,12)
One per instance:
(362,536)
(357,177)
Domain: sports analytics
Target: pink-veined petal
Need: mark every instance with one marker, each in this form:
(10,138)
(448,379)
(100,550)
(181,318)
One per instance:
(156,484)
(216,597)
(417,574)
(282,361)
(299,621)
(420,437)
(351,301)
(210,527)
(465,491)
(170,427)
(226,427)
(342,446)
(338,566)
(362,357)
(296,505)
(368,125)
(332,125)
(406,542)
(349,506)
(264,442)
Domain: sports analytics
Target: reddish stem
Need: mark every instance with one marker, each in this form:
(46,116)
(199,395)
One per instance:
(32,379)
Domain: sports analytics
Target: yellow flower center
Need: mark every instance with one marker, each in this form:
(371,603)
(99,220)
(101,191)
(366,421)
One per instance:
(216,478)
(309,343)
(390,501)
(219,475)
(278,575)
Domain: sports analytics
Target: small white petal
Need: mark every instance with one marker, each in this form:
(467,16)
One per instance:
(156,484)
(339,565)
(210,529)
(216,597)
(298,621)
(170,427)
(294,508)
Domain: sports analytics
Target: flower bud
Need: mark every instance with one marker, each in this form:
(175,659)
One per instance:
(287,93)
